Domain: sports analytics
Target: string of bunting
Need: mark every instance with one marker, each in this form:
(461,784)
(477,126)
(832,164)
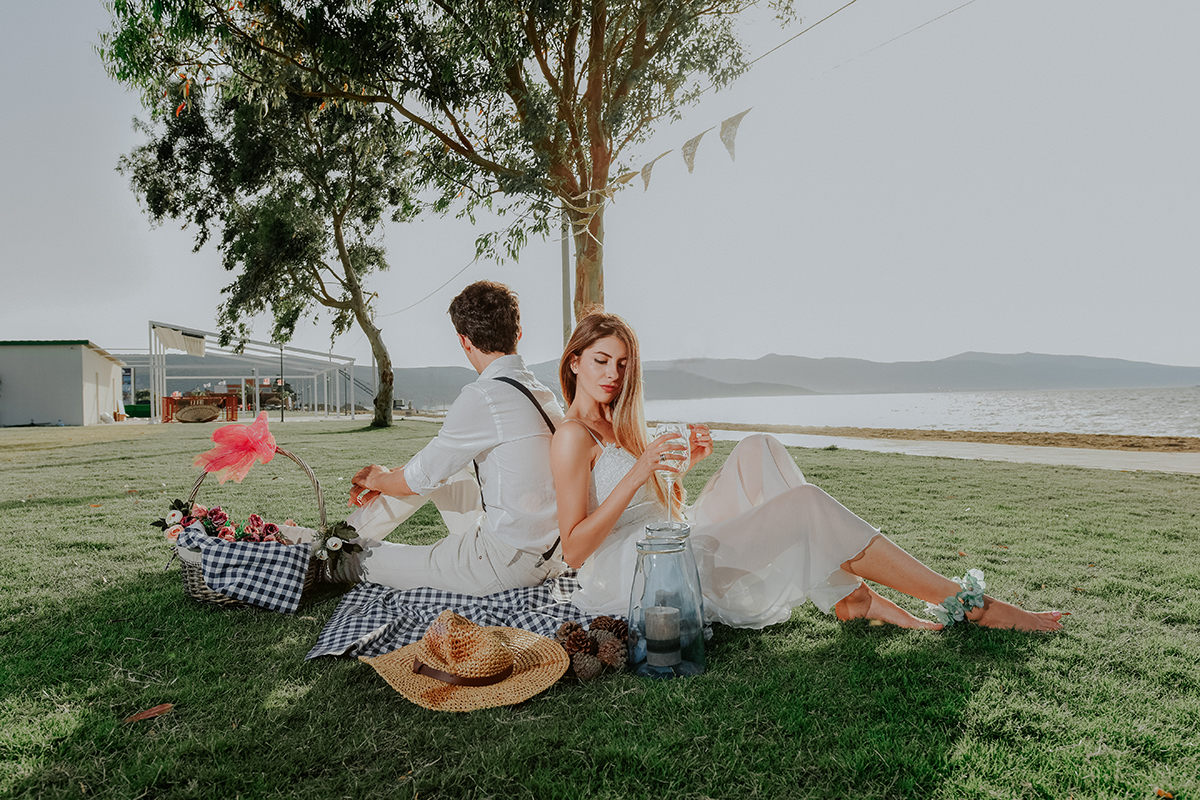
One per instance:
(728,135)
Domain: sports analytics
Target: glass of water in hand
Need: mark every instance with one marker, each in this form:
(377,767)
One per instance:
(679,459)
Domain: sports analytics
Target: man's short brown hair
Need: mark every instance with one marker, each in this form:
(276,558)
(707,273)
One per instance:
(486,312)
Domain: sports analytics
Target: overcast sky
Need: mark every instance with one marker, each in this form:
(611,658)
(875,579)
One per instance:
(1020,175)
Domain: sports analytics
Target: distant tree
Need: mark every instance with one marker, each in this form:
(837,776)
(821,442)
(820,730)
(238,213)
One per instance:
(296,192)
(541,97)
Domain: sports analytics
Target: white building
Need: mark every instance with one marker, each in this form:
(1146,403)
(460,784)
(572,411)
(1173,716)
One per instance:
(47,382)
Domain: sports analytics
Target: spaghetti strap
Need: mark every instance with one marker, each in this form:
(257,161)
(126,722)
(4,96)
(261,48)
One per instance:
(586,428)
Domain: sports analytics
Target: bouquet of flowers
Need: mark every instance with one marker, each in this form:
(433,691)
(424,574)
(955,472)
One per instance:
(216,522)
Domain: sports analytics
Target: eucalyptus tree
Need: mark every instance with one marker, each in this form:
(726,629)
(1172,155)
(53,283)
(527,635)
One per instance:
(542,98)
(296,194)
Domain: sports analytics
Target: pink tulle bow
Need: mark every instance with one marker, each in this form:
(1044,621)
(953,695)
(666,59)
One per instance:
(238,447)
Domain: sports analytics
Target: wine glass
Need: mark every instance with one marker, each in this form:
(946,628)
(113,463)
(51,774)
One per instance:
(680,459)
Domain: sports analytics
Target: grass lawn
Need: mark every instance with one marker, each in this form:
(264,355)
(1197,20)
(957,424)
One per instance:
(92,630)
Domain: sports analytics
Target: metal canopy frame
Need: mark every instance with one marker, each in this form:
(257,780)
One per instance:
(261,359)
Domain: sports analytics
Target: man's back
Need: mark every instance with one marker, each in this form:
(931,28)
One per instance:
(494,424)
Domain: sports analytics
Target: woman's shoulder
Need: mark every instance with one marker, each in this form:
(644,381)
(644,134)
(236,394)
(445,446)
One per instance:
(579,432)
(574,441)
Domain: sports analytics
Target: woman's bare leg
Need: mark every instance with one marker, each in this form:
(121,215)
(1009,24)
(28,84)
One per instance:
(884,562)
(866,603)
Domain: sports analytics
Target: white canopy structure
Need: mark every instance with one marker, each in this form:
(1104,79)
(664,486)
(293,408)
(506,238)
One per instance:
(322,372)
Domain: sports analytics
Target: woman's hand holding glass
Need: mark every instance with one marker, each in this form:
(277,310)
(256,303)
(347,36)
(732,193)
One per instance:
(700,443)
(678,455)
(661,455)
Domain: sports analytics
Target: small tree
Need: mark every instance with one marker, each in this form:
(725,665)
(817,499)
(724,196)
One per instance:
(297,194)
(540,96)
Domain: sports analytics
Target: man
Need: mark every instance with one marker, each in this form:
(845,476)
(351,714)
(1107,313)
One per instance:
(504,528)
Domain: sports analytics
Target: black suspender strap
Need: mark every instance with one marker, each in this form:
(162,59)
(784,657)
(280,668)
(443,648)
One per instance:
(546,556)
(525,390)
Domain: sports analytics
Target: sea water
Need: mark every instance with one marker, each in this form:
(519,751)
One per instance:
(1140,412)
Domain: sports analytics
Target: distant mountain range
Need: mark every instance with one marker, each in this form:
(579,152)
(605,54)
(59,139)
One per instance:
(774,375)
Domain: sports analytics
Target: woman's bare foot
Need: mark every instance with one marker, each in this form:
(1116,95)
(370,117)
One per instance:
(865,603)
(999,614)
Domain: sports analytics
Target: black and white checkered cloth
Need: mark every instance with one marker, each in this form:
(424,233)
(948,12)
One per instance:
(372,620)
(263,574)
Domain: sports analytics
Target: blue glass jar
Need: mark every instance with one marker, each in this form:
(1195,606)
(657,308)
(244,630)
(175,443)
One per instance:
(666,616)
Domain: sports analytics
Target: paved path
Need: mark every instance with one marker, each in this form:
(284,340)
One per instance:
(1186,463)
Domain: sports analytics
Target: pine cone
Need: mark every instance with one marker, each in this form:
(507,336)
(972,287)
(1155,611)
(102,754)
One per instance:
(565,630)
(617,627)
(613,653)
(580,642)
(587,666)
(602,636)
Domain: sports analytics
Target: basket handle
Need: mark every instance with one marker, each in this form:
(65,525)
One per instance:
(307,471)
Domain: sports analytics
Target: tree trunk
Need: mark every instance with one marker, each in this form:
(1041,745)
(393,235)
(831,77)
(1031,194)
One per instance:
(589,262)
(385,398)
(358,305)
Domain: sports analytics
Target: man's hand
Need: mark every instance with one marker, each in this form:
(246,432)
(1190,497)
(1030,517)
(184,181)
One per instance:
(366,484)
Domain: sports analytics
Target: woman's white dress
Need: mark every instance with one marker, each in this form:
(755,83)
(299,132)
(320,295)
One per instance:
(765,539)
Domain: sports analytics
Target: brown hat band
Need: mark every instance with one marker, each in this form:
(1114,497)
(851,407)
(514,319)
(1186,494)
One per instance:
(422,668)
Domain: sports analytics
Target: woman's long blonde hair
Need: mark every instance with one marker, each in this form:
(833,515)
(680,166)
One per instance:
(628,409)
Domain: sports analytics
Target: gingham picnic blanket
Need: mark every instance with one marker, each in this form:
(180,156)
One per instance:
(372,619)
(262,574)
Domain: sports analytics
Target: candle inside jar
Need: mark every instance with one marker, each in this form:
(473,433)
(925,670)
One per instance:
(662,636)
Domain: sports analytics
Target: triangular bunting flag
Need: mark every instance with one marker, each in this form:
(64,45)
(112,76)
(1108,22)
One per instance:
(689,149)
(646,171)
(729,129)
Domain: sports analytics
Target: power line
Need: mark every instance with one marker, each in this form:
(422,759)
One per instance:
(801,33)
(901,36)
(431,294)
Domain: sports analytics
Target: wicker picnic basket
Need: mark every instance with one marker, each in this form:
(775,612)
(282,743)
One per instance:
(193,576)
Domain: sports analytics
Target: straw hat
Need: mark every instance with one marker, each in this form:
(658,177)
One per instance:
(459,666)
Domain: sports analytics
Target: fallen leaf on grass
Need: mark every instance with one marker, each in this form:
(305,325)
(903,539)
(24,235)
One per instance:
(150,713)
(1076,588)
(961,553)
(1162,792)
(97,505)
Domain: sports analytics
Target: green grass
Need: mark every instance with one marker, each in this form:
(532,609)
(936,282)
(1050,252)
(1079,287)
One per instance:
(92,630)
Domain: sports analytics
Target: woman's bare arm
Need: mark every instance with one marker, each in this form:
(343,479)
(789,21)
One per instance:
(571,457)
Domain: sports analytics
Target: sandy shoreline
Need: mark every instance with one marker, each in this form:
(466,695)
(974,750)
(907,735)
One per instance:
(57,437)
(1092,441)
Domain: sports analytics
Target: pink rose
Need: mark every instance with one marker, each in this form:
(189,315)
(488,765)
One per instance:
(228,534)
(199,511)
(218,515)
(186,521)
(271,529)
(252,536)
(255,523)
(173,533)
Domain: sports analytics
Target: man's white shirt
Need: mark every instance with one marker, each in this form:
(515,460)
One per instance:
(494,424)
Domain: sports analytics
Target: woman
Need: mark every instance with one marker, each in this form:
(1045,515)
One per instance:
(765,539)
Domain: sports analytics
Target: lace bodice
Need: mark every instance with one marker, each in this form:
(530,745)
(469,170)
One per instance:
(607,472)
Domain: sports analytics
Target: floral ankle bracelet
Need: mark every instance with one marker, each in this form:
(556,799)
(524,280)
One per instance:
(955,607)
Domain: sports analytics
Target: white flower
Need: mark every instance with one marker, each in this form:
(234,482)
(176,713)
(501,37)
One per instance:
(321,554)
(977,575)
(333,543)
(174,517)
